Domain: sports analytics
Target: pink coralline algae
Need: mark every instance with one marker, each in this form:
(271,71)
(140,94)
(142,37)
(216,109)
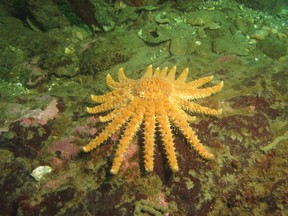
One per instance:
(160,199)
(38,117)
(226,58)
(66,149)
(129,164)
(84,131)
(56,183)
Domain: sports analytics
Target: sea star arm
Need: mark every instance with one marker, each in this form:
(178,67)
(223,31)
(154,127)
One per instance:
(171,74)
(182,77)
(163,72)
(113,84)
(199,82)
(149,126)
(188,117)
(109,105)
(106,97)
(176,116)
(110,116)
(149,72)
(122,77)
(192,93)
(132,128)
(109,130)
(196,108)
(166,133)
(157,72)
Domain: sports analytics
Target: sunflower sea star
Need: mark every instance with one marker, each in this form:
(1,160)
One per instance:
(155,99)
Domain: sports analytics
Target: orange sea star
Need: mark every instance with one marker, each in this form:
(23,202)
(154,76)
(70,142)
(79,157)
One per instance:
(156,98)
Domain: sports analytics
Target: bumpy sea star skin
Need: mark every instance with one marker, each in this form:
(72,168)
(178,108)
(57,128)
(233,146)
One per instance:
(155,99)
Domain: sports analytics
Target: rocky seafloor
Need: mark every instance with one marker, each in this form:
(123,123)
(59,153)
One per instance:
(50,67)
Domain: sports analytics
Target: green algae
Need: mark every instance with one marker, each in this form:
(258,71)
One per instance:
(274,143)
(146,207)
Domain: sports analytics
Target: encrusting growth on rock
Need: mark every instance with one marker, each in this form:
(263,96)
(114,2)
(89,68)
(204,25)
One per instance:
(159,99)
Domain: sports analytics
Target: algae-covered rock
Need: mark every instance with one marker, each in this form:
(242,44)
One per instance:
(178,46)
(154,34)
(11,63)
(273,47)
(205,18)
(199,18)
(260,34)
(45,15)
(96,14)
(244,25)
(268,5)
(231,44)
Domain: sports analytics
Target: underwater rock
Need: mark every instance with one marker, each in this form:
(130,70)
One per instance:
(154,34)
(271,6)
(96,14)
(26,142)
(100,56)
(126,14)
(166,26)
(273,47)
(45,15)
(199,18)
(245,25)
(16,183)
(98,200)
(38,117)
(103,15)
(84,10)
(231,44)
(49,204)
(39,172)
(178,46)
(283,13)
(41,15)
(260,34)
(162,18)
(64,148)
(134,3)
(11,60)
